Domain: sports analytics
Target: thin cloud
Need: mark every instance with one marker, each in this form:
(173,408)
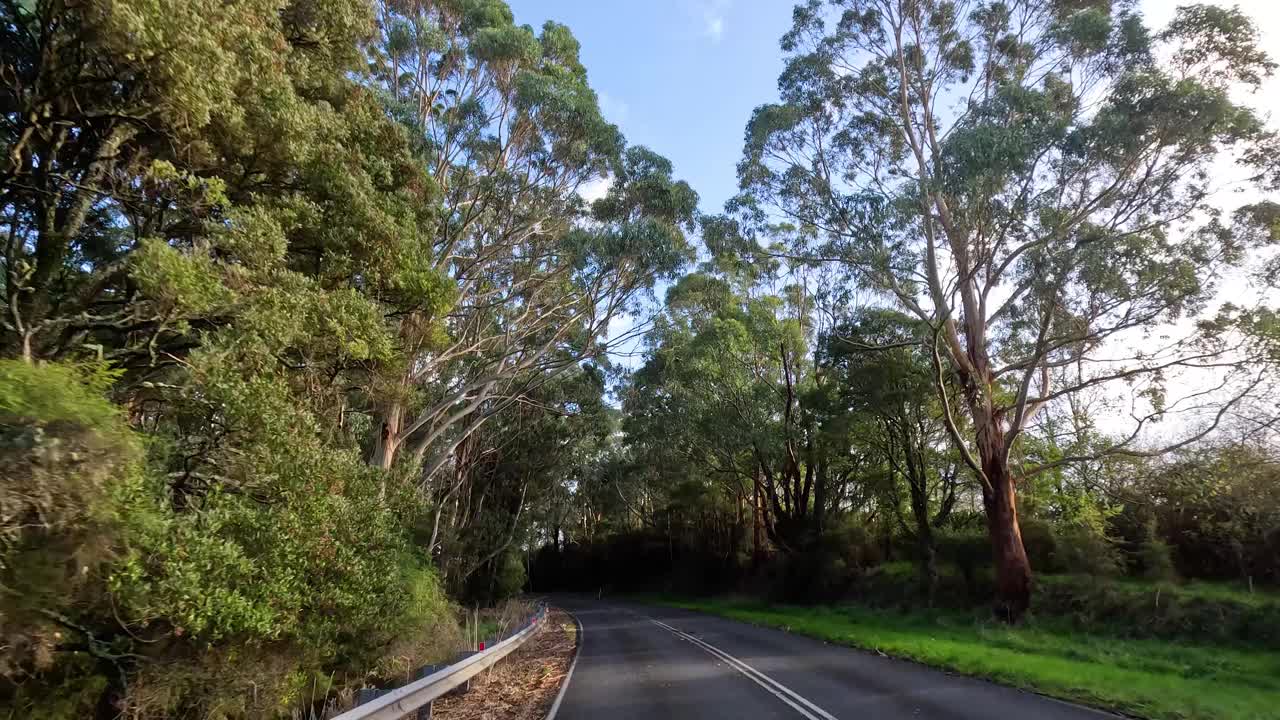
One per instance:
(713,14)
(595,189)
(715,27)
(614,109)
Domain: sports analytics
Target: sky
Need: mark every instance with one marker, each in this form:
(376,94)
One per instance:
(679,76)
(682,76)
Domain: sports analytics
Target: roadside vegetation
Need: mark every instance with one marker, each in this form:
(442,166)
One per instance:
(1104,665)
(309,342)
(303,326)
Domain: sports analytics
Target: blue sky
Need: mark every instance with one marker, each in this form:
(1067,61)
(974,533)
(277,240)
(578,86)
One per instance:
(680,76)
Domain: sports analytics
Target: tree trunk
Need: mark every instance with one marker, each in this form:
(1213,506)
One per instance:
(389,440)
(924,534)
(1013,570)
(757,552)
(929,567)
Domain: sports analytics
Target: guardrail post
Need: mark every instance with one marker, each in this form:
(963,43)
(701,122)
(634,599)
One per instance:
(424,712)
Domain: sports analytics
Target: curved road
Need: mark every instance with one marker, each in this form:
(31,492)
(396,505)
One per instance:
(650,663)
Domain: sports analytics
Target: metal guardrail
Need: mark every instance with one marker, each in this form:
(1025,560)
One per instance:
(418,695)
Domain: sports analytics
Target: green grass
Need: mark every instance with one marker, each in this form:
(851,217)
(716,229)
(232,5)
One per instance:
(1145,677)
(1213,591)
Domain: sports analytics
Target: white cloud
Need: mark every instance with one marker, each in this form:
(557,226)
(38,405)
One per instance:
(715,27)
(595,189)
(712,14)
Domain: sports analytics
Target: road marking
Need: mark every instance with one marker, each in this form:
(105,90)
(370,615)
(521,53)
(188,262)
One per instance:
(783,693)
(564,684)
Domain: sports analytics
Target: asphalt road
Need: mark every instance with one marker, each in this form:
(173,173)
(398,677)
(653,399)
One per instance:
(650,663)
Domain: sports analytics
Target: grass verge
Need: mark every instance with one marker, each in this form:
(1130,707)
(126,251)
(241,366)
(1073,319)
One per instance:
(1149,678)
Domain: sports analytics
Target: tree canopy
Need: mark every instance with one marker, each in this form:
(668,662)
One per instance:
(310,335)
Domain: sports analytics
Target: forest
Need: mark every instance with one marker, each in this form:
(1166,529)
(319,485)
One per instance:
(311,334)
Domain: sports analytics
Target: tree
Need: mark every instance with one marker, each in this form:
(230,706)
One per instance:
(509,131)
(1031,179)
(510,471)
(207,221)
(884,372)
(245,244)
(729,390)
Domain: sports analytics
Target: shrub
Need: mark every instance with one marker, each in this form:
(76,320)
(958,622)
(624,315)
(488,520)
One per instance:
(1218,509)
(825,570)
(1154,556)
(288,561)
(510,577)
(1082,550)
(855,544)
(1041,542)
(1162,610)
(969,550)
(71,466)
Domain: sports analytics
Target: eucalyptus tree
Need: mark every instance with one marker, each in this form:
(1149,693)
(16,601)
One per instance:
(1031,178)
(512,469)
(728,391)
(509,133)
(882,371)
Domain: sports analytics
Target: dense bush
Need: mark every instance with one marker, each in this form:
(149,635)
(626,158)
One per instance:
(226,603)
(1161,610)
(1153,557)
(510,577)
(1218,510)
(72,496)
(967,549)
(1083,550)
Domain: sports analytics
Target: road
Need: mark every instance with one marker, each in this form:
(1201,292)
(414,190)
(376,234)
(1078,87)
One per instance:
(649,663)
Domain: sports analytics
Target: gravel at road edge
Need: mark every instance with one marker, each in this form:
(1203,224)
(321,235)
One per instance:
(524,684)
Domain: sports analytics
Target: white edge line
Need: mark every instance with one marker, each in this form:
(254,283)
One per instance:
(764,681)
(564,686)
(1099,712)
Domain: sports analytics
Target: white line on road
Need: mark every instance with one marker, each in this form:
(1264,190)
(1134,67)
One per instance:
(564,684)
(783,693)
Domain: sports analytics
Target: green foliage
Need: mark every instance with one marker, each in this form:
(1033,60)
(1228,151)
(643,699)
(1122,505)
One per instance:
(1208,613)
(54,393)
(180,282)
(282,243)
(1033,222)
(1218,510)
(968,550)
(1083,550)
(72,469)
(293,555)
(1155,558)
(511,576)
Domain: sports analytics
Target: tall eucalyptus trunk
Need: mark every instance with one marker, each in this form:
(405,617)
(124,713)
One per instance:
(999,498)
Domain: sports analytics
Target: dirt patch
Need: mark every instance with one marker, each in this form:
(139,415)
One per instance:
(524,684)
